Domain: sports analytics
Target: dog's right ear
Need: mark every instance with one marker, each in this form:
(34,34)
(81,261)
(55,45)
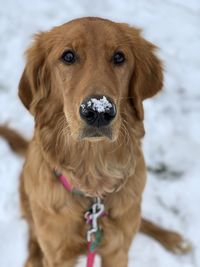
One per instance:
(35,73)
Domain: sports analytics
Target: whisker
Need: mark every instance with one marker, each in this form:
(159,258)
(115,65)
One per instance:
(124,128)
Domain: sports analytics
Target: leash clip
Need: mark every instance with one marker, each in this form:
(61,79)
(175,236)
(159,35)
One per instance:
(98,209)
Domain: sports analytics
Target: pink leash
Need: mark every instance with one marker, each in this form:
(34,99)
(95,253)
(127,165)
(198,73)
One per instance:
(90,256)
(90,217)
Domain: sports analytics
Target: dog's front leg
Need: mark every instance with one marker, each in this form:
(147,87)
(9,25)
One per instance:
(117,258)
(57,235)
(68,263)
(118,235)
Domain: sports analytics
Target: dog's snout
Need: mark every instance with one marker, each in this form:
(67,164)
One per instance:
(98,111)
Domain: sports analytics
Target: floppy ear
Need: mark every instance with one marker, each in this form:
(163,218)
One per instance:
(147,77)
(35,77)
(24,92)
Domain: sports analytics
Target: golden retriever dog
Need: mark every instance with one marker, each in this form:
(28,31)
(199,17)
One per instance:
(84,83)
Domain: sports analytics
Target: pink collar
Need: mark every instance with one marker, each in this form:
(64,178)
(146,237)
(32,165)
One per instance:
(65,182)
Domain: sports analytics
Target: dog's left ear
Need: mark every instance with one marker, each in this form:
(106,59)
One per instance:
(147,77)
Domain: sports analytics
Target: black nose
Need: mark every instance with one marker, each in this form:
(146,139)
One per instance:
(98,110)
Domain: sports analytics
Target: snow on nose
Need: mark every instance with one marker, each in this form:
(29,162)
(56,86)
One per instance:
(99,105)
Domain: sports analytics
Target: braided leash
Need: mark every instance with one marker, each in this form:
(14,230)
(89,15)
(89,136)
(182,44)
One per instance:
(94,235)
(97,210)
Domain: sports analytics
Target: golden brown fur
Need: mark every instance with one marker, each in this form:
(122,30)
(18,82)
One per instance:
(113,169)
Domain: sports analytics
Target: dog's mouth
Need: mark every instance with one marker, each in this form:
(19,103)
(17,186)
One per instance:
(92,133)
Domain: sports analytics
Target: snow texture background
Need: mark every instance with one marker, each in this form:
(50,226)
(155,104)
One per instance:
(172,121)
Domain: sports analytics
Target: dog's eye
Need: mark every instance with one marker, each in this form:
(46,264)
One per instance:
(118,58)
(68,57)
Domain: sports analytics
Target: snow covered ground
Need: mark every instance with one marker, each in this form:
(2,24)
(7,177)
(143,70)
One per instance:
(172,142)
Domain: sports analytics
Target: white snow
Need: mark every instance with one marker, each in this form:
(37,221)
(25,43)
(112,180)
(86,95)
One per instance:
(99,105)
(172,142)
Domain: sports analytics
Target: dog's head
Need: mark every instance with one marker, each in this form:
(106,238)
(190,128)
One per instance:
(92,72)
